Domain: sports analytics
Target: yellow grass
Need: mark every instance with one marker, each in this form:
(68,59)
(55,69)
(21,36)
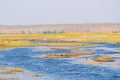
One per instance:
(3,68)
(104,59)
(67,44)
(12,71)
(80,37)
(23,40)
(8,71)
(90,63)
(15,44)
(70,55)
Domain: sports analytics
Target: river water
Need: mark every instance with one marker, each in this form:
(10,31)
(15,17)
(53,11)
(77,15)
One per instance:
(63,69)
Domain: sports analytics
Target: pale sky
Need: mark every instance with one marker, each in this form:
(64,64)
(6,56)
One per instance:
(15,12)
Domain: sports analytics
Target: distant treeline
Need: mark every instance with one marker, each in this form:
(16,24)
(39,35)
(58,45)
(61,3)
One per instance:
(53,32)
(45,32)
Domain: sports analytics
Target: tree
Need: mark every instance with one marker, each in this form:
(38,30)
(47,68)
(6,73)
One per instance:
(22,32)
(114,31)
(55,32)
(29,32)
(62,31)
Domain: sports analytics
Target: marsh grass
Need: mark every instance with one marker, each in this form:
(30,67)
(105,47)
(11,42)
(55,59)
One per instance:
(62,40)
(69,55)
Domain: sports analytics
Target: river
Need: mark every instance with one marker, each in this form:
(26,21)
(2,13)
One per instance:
(62,69)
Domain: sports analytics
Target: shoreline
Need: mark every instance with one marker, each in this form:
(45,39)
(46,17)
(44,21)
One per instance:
(18,74)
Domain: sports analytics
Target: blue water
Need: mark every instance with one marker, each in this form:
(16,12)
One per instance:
(61,69)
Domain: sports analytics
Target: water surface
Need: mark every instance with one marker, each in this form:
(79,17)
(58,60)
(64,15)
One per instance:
(61,69)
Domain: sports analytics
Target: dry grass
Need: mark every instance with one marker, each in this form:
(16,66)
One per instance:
(63,48)
(67,44)
(12,71)
(104,59)
(2,78)
(3,68)
(77,37)
(23,40)
(70,55)
(37,75)
(15,44)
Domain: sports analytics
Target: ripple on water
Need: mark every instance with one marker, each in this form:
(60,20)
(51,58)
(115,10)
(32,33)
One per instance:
(56,69)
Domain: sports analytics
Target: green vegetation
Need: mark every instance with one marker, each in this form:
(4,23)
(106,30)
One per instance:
(23,32)
(53,32)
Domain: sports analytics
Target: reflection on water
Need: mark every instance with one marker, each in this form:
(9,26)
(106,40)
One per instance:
(64,69)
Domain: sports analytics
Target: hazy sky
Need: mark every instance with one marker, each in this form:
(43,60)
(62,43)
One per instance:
(59,11)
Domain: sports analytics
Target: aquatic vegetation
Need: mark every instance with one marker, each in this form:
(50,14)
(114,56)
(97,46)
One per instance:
(13,74)
(67,44)
(80,44)
(12,71)
(69,55)
(2,78)
(91,63)
(3,68)
(64,48)
(104,59)
(37,75)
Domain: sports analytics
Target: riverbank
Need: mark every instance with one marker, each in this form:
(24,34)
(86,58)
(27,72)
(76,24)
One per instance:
(22,43)
(16,44)
(60,40)
(65,37)
(18,74)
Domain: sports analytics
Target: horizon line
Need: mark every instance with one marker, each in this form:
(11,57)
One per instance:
(56,24)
